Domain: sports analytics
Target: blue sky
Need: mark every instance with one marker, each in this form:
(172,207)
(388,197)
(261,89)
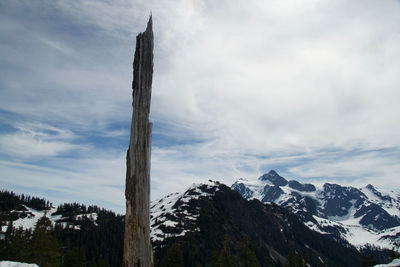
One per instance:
(309,88)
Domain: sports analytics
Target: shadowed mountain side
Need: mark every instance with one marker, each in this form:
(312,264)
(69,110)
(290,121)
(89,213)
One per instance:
(225,220)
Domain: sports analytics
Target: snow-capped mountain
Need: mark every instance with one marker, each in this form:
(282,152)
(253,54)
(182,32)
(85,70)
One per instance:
(204,225)
(358,215)
(208,217)
(173,215)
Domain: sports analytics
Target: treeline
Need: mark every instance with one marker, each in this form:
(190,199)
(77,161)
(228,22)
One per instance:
(83,240)
(73,209)
(10,201)
(95,238)
(373,255)
(40,246)
(174,255)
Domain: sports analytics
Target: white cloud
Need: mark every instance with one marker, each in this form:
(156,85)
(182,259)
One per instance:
(311,91)
(283,79)
(60,47)
(34,141)
(239,86)
(380,168)
(94,181)
(25,145)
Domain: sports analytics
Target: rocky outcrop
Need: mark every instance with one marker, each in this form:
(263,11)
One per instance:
(301,187)
(137,244)
(208,217)
(343,211)
(274,178)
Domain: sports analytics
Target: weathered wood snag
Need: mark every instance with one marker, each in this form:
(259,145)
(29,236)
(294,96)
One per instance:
(137,244)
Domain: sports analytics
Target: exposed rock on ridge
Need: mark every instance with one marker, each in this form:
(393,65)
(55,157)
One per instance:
(358,215)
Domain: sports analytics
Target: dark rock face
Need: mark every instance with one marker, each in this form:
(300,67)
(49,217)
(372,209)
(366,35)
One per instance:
(274,178)
(271,232)
(303,203)
(378,194)
(271,193)
(333,205)
(301,187)
(242,189)
(375,217)
(338,199)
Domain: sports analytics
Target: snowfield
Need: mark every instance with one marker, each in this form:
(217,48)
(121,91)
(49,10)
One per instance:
(16,264)
(165,215)
(29,222)
(394,263)
(365,215)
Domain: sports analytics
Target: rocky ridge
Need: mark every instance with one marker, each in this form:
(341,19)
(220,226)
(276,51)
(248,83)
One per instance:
(357,215)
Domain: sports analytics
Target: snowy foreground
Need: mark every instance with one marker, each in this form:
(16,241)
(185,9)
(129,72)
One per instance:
(16,264)
(394,263)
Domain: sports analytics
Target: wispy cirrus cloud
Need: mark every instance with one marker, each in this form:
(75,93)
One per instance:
(309,88)
(35,141)
(92,181)
(378,167)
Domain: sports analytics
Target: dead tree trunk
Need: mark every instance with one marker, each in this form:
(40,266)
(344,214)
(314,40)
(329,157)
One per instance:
(137,245)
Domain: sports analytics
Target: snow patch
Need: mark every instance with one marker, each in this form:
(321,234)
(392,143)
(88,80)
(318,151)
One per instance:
(356,234)
(16,264)
(394,263)
(165,216)
(30,221)
(349,227)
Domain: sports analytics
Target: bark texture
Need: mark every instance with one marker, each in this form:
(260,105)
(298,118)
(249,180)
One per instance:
(137,245)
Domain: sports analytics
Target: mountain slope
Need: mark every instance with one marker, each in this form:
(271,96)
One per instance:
(208,219)
(75,235)
(207,225)
(358,215)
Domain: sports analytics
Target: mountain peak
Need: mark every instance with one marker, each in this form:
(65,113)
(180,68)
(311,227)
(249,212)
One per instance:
(172,210)
(370,187)
(274,178)
(378,194)
(301,187)
(273,173)
(343,211)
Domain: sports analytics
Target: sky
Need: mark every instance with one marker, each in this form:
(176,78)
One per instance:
(309,88)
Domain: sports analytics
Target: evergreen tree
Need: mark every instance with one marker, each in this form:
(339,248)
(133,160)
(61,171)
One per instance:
(173,257)
(247,256)
(75,257)
(394,254)
(214,259)
(296,260)
(225,257)
(19,246)
(45,249)
(9,232)
(368,261)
